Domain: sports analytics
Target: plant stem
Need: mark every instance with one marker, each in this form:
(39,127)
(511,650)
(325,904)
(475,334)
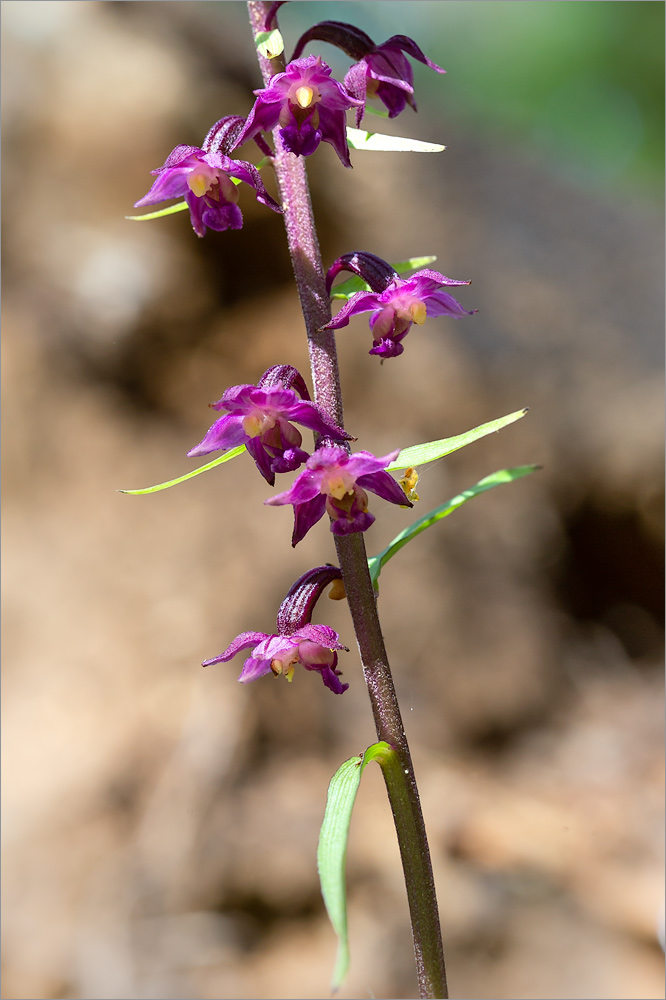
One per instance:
(398,771)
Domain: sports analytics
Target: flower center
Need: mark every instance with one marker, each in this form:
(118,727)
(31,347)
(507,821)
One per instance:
(411,309)
(304,96)
(337,483)
(258,422)
(201,179)
(285,664)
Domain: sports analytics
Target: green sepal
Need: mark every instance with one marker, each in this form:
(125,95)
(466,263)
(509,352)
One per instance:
(190,475)
(377,563)
(377,142)
(180,206)
(332,848)
(347,288)
(430,451)
(269,43)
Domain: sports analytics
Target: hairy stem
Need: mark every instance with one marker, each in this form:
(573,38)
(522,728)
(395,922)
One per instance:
(398,771)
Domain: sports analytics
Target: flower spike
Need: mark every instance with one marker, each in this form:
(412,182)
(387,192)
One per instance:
(335,482)
(308,105)
(262,417)
(381,71)
(394,302)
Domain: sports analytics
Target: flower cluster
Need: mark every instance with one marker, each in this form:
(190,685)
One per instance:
(304,105)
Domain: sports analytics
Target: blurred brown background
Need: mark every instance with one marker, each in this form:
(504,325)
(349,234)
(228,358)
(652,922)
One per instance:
(161,821)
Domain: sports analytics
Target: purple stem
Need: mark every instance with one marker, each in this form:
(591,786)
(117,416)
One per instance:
(397,770)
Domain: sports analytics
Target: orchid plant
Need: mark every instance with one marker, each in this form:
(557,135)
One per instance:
(302,105)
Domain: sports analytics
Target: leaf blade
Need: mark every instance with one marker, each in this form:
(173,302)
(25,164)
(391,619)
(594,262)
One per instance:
(499,478)
(332,848)
(188,475)
(180,206)
(430,451)
(377,142)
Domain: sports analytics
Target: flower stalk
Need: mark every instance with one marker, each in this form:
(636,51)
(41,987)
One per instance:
(398,770)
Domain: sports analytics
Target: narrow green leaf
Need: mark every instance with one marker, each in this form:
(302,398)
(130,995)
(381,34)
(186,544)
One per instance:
(376,563)
(269,43)
(180,206)
(332,849)
(190,475)
(347,288)
(430,451)
(359,139)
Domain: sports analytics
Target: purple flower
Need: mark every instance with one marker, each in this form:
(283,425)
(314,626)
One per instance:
(203,178)
(382,71)
(313,646)
(307,104)
(335,482)
(260,417)
(395,302)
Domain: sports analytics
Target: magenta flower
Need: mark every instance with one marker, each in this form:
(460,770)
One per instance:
(261,417)
(203,178)
(313,646)
(335,482)
(395,302)
(307,104)
(382,71)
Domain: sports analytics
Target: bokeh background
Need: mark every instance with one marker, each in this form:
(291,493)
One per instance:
(160,821)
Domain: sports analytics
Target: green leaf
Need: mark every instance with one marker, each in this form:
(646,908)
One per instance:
(430,451)
(377,563)
(269,43)
(180,206)
(359,139)
(332,849)
(346,289)
(190,475)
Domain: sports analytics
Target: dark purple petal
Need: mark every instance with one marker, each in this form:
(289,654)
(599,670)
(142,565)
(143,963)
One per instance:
(254,668)
(387,348)
(360,302)
(242,641)
(422,279)
(409,46)
(333,129)
(394,99)
(349,523)
(223,136)
(227,432)
(290,460)
(377,272)
(362,463)
(391,67)
(384,485)
(304,488)
(296,609)
(355,82)
(218,215)
(306,515)
(301,140)
(261,459)
(330,678)
(350,39)
(443,304)
(323,635)
(284,376)
(169,184)
(309,415)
